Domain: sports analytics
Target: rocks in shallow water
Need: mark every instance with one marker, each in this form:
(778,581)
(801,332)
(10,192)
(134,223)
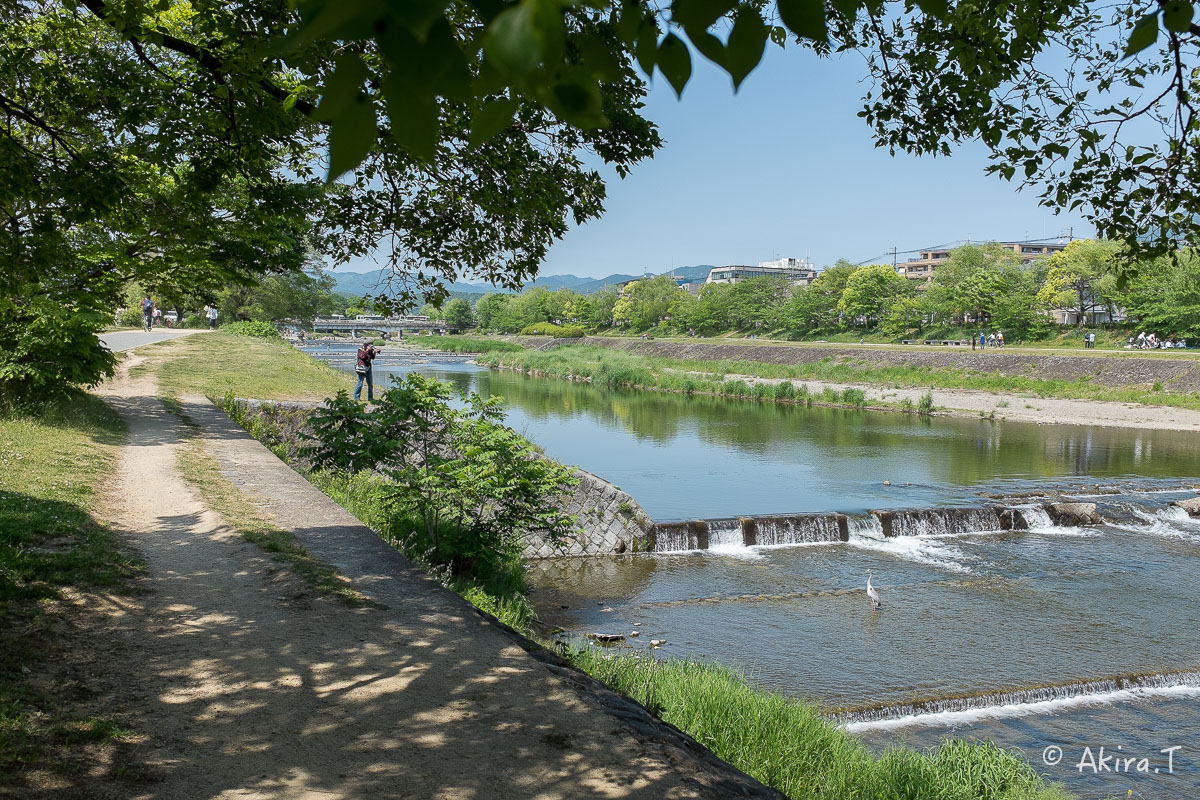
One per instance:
(606,638)
(635,633)
(1074,514)
(1191,506)
(657,642)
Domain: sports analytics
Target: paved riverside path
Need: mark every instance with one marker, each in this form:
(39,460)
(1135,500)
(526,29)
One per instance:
(248,685)
(119,341)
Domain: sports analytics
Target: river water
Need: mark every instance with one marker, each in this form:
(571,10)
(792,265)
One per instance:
(1055,637)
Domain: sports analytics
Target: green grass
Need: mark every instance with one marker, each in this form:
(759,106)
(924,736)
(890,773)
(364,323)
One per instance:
(465,344)
(617,368)
(215,364)
(53,458)
(786,744)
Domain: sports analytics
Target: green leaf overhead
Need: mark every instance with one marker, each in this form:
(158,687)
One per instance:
(744,50)
(675,62)
(806,18)
(1143,35)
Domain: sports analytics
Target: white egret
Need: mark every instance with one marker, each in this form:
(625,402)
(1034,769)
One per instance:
(876,603)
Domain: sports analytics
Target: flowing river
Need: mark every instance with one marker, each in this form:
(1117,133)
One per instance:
(1055,640)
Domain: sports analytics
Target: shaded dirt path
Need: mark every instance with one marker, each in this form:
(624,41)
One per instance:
(246,685)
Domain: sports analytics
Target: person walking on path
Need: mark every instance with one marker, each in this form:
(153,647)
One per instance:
(211,313)
(147,313)
(157,317)
(366,354)
(982,341)
(1000,339)
(972,342)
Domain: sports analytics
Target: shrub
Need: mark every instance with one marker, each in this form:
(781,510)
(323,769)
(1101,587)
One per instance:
(854,397)
(907,405)
(48,346)
(194,321)
(925,405)
(257,328)
(130,317)
(785,391)
(550,329)
(476,487)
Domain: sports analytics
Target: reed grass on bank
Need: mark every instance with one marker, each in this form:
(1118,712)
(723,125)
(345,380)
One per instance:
(788,745)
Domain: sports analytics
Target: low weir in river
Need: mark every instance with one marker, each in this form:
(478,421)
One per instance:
(790,529)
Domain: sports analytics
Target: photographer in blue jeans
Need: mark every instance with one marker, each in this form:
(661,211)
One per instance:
(366,354)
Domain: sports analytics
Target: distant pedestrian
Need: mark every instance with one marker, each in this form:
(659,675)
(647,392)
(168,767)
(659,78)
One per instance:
(211,313)
(982,344)
(999,338)
(366,354)
(157,317)
(147,313)
(972,342)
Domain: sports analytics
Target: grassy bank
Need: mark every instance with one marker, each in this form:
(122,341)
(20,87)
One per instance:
(465,344)
(617,368)
(53,458)
(789,746)
(220,363)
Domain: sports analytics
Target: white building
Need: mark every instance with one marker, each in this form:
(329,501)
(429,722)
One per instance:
(797,270)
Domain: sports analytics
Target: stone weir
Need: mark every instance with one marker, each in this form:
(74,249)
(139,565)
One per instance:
(791,529)
(1009,701)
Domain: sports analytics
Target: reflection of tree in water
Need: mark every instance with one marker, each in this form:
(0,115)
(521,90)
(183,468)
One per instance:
(952,450)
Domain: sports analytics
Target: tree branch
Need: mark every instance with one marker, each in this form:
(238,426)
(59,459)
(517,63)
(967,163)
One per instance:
(203,56)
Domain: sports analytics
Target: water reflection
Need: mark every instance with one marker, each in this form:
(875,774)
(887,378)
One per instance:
(686,457)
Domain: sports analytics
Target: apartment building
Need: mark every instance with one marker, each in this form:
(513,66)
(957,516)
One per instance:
(923,268)
(799,271)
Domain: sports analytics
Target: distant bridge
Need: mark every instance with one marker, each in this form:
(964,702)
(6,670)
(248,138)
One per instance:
(401,325)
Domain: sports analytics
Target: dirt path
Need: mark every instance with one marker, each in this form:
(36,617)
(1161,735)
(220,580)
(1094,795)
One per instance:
(246,685)
(1020,408)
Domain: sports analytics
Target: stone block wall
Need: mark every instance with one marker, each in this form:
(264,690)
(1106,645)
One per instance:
(611,522)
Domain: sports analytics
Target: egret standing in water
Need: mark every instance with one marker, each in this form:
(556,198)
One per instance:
(876,603)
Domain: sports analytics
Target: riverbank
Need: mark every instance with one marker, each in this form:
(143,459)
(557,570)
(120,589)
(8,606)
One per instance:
(1112,390)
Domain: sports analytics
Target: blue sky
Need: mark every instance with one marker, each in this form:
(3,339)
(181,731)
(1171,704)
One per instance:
(786,168)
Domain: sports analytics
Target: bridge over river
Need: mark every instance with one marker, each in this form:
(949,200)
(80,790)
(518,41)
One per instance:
(400,325)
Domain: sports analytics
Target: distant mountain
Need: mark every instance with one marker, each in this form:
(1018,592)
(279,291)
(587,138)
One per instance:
(356,284)
(696,273)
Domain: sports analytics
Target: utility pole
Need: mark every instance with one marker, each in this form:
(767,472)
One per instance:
(894,254)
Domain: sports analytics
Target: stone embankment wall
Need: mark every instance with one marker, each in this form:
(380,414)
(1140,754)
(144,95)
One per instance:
(610,520)
(1175,374)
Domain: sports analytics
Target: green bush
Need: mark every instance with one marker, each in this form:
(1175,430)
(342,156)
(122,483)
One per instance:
(854,397)
(258,329)
(194,321)
(47,346)
(130,318)
(550,329)
(925,404)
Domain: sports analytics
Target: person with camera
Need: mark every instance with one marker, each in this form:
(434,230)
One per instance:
(362,367)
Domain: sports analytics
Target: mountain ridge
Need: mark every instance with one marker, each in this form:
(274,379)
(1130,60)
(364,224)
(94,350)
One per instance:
(356,284)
